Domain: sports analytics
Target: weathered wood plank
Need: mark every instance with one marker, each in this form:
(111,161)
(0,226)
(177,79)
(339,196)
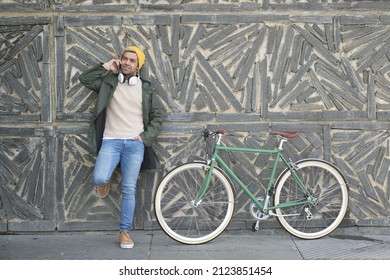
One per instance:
(227,92)
(316,44)
(294,81)
(249,62)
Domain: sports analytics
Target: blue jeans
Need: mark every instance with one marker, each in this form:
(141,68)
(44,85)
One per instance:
(130,154)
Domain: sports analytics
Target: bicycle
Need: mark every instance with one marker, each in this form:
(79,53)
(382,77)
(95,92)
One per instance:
(194,202)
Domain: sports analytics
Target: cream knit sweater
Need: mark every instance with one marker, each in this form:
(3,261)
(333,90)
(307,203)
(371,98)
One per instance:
(124,118)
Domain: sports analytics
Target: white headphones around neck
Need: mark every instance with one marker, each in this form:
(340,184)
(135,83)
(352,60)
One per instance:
(132,81)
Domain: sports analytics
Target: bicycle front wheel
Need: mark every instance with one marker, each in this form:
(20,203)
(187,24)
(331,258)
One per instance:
(176,212)
(328,190)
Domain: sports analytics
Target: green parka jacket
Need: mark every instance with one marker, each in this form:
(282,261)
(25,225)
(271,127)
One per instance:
(104,83)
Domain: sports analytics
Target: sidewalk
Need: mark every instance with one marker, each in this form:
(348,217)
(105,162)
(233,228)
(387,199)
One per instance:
(343,244)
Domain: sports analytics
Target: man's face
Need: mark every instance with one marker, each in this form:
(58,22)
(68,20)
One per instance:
(129,63)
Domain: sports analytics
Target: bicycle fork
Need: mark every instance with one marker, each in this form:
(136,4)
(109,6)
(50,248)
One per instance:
(206,182)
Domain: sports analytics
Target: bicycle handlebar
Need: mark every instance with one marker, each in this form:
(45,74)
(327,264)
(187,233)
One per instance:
(286,134)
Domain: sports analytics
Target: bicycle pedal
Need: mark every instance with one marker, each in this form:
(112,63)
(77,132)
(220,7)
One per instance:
(256,226)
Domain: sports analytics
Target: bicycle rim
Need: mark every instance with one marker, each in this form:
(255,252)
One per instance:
(176,212)
(319,218)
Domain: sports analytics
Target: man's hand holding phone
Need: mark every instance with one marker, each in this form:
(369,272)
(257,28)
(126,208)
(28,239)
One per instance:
(114,65)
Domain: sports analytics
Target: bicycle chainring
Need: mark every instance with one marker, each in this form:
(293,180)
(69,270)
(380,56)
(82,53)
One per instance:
(256,213)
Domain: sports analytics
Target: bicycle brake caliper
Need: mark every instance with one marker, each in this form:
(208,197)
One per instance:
(292,164)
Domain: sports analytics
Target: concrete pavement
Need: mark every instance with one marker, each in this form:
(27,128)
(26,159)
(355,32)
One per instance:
(266,244)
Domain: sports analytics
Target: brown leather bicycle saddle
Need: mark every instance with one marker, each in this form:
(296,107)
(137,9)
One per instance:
(287,134)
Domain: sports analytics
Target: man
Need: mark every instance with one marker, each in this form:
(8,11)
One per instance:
(126,120)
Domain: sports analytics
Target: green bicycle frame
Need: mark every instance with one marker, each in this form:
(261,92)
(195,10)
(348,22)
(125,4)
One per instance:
(278,156)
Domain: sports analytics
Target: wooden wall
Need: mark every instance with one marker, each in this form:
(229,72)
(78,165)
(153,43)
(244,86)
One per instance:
(320,67)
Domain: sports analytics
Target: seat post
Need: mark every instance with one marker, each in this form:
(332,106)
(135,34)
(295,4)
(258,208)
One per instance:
(219,138)
(281,142)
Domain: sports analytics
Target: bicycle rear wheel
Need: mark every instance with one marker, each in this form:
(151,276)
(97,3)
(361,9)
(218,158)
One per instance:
(320,217)
(180,218)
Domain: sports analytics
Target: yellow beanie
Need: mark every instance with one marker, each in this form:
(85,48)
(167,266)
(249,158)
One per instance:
(140,55)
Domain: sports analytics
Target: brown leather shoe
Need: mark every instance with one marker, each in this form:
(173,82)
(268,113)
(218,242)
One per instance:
(125,240)
(102,191)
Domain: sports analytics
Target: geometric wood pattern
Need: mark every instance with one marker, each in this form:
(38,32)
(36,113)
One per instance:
(227,63)
(26,177)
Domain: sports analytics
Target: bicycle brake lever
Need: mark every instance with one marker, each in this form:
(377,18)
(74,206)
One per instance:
(206,133)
